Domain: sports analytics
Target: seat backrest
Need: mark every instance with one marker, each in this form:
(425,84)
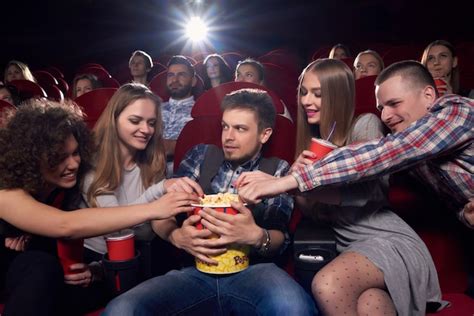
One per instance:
(232,59)
(55,71)
(201,130)
(402,52)
(365,96)
(63,85)
(99,72)
(209,103)
(284,83)
(28,89)
(44,78)
(94,102)
(158,86)
(282,142)
(110,83)
(54,93)
(349,61)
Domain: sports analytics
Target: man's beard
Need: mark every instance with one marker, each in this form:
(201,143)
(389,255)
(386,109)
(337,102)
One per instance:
(181,92)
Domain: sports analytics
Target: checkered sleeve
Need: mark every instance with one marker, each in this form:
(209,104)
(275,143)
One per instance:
(191,163)
(447,127)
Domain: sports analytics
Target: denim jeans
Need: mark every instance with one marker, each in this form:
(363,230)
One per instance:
(261,289)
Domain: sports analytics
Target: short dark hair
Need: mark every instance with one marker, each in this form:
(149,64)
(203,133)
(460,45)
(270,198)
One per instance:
(255,63)
(255,100)
(182,60)
(45,126)
(410,70)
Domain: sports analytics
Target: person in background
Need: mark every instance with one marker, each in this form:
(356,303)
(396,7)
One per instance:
(17,70)
(250,70)
(442,62)
(43,166)
(217,71)
(367,63)
(140,65)
(84,83)
(339,51)
(180,81)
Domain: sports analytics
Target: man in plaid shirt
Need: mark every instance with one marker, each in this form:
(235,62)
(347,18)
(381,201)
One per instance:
(432,136)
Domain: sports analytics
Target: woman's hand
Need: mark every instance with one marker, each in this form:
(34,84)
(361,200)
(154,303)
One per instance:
(305,158)
(82,277)
(254,191)
(252,176)
(173,203)
(469,212)
(17,243)
(183,184)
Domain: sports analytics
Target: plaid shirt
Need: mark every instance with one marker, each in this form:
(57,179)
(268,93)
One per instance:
(440,145)
(175,114)
(272,213)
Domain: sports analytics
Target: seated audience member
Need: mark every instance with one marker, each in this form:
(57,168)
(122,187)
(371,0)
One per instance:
(425,128)
(9,94)
(367,63)
(42,166)
(261,289)
(84,83)
(180,80)
(376,246)
(130,159)
(16,70)
(339,51)
(140,65)
(250,70)
(442,62)
(217,71)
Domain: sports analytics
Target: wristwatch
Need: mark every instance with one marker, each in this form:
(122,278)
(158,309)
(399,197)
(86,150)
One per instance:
(265,247)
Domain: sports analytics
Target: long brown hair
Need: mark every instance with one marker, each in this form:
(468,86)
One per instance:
(337,103)
(454,81)
(108,162)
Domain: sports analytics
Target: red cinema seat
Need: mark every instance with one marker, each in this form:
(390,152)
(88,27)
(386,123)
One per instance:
(402,52)
(110,83)
(28,89)
(45,79)
(284,83)
(349,61)
(63,86)
(232,59)
(55,71)
(99,72)
(285,59)
(322,52)
(158,86)
(54,93)
(80,70)
(208,104)
(365,101)
(94,102)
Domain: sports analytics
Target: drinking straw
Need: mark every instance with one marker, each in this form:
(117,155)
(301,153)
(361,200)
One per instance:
(333,128)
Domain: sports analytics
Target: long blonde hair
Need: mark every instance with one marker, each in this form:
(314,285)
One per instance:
(25,70)
(337,103)
(454,80)
(108,161)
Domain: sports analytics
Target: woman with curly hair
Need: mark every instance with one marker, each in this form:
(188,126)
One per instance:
(41,166)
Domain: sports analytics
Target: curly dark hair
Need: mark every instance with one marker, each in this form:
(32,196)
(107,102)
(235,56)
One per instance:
(35,134)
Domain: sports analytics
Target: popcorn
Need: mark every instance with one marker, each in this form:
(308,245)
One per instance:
(219,199)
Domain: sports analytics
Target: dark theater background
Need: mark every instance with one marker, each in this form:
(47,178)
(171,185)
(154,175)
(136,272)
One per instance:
(68,33)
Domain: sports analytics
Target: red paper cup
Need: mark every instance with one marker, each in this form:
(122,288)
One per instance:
(441,86)
(70,251)
(121,245)
(321,147)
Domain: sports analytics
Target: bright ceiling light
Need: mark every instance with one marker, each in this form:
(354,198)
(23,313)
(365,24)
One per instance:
(196,29)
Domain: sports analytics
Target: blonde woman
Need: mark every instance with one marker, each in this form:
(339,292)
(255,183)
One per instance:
(17,70)
(368,63)
(129,163)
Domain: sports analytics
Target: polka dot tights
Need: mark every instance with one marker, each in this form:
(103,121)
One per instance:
(352,285)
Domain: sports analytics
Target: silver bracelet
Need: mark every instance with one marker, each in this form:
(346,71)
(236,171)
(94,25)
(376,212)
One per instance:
(265,247)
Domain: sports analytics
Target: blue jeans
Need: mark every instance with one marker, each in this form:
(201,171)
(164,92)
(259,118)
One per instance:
(261,289)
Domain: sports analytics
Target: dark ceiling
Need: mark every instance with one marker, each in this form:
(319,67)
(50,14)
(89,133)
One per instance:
(69,32)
